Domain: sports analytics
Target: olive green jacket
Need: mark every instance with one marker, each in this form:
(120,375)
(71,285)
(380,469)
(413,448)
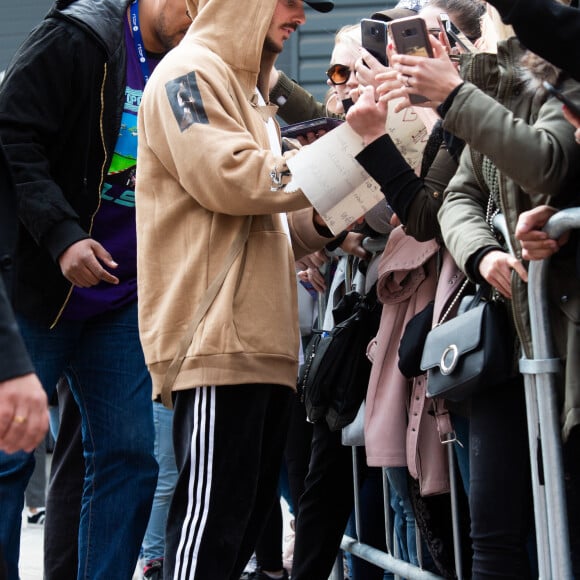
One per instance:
(525,136)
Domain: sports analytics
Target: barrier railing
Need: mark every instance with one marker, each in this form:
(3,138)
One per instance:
(545,447)
(543,418)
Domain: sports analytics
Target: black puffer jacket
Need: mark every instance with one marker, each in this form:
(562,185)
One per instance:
(60,111)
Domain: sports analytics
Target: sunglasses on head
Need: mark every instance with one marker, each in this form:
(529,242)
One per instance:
(338,74)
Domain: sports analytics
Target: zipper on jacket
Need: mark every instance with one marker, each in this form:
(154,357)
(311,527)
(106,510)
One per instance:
(507,91)
(100,188)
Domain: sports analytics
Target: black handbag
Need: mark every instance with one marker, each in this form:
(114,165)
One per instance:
(473,351)
(413,342)
(334,378)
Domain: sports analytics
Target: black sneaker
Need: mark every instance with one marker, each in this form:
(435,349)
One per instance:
(37,517)
(153,569)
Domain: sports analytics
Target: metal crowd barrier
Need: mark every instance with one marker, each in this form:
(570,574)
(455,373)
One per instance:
(386,560)
(551,523)
(543,418)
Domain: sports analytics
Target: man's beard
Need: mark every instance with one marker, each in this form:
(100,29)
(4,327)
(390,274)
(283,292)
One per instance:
(271,46)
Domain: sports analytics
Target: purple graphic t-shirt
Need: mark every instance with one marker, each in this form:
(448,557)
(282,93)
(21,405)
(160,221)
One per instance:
(114,222)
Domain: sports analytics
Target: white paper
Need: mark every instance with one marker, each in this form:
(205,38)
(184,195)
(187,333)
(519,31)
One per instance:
(331,178)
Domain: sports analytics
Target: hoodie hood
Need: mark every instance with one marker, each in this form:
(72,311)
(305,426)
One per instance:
(234,30)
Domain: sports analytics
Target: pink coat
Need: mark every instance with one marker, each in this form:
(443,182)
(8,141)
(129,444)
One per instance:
(399,429)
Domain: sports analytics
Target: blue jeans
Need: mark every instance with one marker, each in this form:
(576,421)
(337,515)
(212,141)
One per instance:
(404,514)
(112,388)
(154,540)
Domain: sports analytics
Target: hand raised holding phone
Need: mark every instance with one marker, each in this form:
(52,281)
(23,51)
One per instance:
(374,38)
(411,37)
(433,78)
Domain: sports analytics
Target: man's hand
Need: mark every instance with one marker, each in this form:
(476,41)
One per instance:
(315,277)
(81,264)
(496,267)
(23,413)
(309,267)
(315,260)
(536,245)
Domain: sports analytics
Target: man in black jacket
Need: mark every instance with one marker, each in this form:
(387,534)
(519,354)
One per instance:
(23,403)
(68,107)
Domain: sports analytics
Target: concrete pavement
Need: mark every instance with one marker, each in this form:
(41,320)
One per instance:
(31,552)
(31,539)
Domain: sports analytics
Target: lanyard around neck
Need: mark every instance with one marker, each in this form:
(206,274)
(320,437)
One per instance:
(138,41)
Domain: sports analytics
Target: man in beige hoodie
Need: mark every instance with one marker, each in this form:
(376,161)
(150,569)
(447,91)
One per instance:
(217,289)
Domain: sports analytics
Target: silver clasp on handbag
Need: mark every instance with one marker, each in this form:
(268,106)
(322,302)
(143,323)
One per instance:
(447,369)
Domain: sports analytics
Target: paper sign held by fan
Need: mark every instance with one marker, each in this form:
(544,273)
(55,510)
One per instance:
(334,182)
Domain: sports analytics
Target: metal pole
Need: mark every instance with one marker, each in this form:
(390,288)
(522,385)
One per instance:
(356,489)
(455,513)
(540,507)
(543,421)
(544,366)
(385,561)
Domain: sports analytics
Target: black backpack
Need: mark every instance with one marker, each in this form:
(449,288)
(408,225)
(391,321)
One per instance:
(334,378)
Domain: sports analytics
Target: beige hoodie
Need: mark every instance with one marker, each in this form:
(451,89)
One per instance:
(204,165)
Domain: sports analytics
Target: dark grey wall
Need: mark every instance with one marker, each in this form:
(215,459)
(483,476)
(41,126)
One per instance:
(17,18)
(305,58)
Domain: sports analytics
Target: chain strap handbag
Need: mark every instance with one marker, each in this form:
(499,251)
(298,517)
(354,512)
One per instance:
(473,351)
(476,349)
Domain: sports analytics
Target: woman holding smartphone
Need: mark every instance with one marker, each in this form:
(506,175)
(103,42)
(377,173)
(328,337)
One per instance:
(521,153)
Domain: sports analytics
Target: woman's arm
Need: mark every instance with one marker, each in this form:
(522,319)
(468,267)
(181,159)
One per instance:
(415,200)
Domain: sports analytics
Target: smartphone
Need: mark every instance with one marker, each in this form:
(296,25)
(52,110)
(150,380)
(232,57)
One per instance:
(301,129)
(442,36)
(574,108)
(456,38)
(410,36)
(374,38)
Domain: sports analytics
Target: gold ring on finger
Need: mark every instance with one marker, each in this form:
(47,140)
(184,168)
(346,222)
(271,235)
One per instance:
(19,419)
